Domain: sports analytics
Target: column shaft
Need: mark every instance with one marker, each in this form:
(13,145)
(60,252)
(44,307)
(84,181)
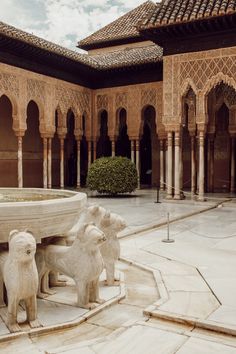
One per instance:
(45,158)
(232,183)
(20,162)
(138,162)
(211,164)
(201,166)
(62,162)
(162,165)
(113,148)
(193,166)
(78,163)
(49,161)
(169,166)
(132,151)
(89,153)
(177,166)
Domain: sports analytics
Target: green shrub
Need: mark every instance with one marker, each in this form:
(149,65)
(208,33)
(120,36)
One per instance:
(112,175)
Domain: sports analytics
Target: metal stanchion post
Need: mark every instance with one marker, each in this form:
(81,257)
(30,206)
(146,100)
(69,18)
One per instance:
(157,201)
(168,239)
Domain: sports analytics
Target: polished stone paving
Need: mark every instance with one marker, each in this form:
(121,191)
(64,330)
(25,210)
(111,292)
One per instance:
(197,273)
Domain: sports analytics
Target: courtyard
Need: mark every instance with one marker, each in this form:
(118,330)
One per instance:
(177,298)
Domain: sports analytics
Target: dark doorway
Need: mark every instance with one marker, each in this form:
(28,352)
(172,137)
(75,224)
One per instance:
(146,144)
(83,154)
(104,143)
(8,146)
(123,145)
(32,149)
(56,156)
(70,152)
(222,151)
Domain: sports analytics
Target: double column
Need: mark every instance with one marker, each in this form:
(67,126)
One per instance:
(201,137)
(47,160)
(135,153)
(19,135)
(162,164)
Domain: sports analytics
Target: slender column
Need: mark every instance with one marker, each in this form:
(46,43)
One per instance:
(62,163)
(132,150)
(201,166)
(211,163)
(49,161)
(45,158)
(193,166)
(94,150)
(177,166)
(169,166)
(137,162)
(181,168)
(78,163)
(166,163)
(161,165)
(113,147)
(20,162)
(89,153)
(232,183)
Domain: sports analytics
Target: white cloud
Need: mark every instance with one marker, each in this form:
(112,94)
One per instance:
(63,21)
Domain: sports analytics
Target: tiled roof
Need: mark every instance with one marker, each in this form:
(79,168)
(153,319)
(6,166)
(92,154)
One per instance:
(128,57)
(123,27)
(17,34)
(170,12)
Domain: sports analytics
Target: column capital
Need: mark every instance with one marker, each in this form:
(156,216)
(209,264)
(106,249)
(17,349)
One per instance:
(48,135)
(19,133)
(202,128)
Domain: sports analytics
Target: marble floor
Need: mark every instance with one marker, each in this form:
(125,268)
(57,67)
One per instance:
(180,297)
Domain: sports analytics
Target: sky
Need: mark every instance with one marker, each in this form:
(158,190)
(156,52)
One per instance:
(64,22)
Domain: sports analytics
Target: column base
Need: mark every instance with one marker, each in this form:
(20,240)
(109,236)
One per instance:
(201,199)
(177,197)
(169,197)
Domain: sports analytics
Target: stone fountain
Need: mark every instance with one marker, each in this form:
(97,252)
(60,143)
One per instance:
(45,212)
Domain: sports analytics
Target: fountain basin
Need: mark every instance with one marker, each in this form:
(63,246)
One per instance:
(44,212)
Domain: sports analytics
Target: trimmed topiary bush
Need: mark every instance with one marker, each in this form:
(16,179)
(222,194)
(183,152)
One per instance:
(112,175)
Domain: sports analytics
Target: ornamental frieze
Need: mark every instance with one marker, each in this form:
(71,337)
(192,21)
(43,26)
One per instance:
(9,83)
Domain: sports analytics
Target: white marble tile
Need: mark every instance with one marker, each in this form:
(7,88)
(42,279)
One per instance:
(140,340)
(193,304)
(199,346)
(185,283)
(224,315)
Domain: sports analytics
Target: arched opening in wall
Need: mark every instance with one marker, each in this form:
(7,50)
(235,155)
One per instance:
(222,151)
(188,131)
(221,126)
(32,149)
(149,148)
(8,145)
(104,143)
(83,153)
(123,145)
(56,155)
(70,152)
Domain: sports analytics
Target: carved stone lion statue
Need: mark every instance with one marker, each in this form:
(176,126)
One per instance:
(19,273)
(111,224)
(82,262)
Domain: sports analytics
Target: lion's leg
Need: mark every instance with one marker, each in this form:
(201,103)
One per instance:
(2,303)
(12,314)
(54,279)
(45,284)
(31,311)
(83,295)
(110,274)
(94,292)
(40,293)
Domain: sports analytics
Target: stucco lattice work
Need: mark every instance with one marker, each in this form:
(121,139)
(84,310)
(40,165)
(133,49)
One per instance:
(9,83)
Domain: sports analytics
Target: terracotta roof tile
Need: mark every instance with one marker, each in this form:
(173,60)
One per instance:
(123,27)
(170,12)
(124,58)
(129,57)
